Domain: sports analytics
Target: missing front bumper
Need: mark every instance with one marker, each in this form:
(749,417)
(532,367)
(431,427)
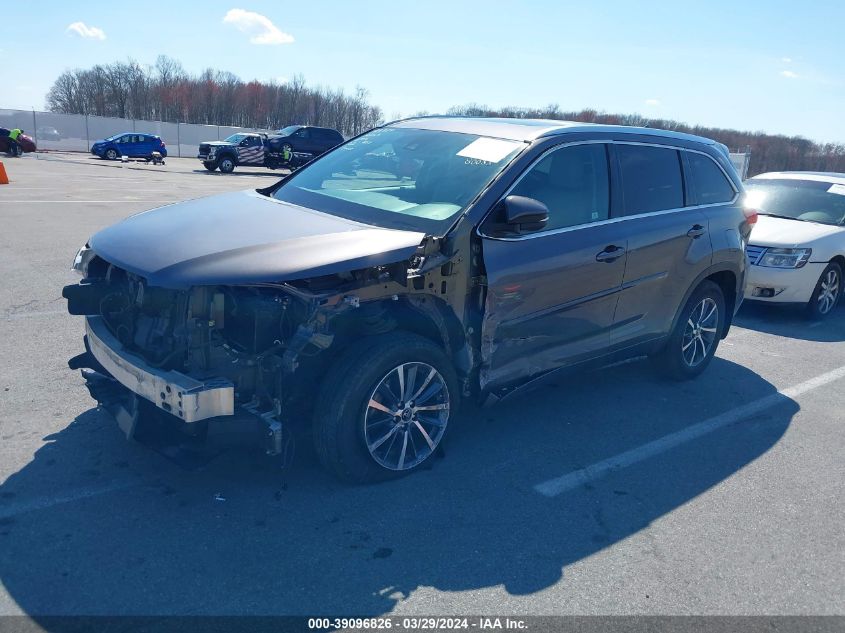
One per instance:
(186,398)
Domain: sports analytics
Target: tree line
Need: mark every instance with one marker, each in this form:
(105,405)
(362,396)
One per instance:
(166,92)
(769,152)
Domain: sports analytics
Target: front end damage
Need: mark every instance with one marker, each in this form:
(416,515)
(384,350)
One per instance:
(231,362)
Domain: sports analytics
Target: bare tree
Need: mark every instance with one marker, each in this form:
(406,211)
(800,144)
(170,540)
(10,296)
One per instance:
(165,92)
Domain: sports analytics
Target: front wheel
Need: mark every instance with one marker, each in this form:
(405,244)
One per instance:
(695,337)
(210,165)
(827,292)
(384,408)
(112,154)
(227,164)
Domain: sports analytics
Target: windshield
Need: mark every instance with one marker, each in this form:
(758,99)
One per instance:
(287,131)
(400,177)
(235,138)
(808,200)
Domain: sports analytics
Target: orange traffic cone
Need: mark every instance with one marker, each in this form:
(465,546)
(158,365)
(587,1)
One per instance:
(4,179)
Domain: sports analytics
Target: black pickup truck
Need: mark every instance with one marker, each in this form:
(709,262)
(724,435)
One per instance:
(290,147)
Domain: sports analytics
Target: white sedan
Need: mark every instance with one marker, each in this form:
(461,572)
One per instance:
(797,247)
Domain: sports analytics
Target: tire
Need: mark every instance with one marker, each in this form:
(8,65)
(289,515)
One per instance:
(695,336)
(111,154)
(357,442)
(210,165)
(827,293)
(226,164)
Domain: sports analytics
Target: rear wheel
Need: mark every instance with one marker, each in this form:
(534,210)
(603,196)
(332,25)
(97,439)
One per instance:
(384,408)
(210,165)
(827,292)
(695,337)
(111,154)
(227,164)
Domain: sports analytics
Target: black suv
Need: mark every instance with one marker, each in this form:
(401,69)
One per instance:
(426,261)
(304,139)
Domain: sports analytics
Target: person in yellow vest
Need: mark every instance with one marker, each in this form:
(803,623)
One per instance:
(14,146)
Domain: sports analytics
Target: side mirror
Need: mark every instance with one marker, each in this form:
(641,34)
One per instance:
(524,215)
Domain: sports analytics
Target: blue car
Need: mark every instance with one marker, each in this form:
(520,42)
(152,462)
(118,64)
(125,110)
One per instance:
(129,144)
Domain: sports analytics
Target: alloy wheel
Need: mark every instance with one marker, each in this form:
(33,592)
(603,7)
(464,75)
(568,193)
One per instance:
(700,332)
(406,416)
(828,292)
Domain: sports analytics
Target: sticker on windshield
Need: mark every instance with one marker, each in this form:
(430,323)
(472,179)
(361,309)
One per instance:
(489,150)
(837,189)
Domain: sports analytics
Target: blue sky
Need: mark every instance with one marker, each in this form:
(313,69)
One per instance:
(773,66)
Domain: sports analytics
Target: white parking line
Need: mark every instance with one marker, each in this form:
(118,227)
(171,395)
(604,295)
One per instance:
(41,503)
(558,485)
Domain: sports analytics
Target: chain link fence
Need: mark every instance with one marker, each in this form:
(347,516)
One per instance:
(77,132)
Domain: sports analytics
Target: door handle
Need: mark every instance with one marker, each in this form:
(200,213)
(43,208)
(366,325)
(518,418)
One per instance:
(696,231)
(610,254)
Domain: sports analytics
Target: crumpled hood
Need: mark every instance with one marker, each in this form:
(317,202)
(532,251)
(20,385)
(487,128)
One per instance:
(218,143)
(244,237)
(771,231)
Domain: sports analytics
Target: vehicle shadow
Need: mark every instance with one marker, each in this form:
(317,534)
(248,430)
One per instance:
(240,537)
(791,321)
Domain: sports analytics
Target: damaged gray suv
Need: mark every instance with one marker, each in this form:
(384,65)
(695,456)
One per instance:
(424,262)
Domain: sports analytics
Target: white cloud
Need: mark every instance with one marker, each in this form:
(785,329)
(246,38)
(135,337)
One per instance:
(85,31)
(259,27)
(652,102)
(786,60)
(788,74)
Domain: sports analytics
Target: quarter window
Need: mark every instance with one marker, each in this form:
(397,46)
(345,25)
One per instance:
(651,178)
(711,184)
(572,182)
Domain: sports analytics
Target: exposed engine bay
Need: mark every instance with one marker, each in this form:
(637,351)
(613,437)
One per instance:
(270,341)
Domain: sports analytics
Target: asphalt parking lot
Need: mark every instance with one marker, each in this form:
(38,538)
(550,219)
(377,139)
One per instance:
(606,493)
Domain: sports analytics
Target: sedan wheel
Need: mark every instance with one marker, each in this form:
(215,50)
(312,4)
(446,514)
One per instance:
(111,154)
(406,416)
(827,293)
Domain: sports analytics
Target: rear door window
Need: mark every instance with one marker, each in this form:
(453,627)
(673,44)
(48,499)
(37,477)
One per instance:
(651,178)
(572,182)
(710,183)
